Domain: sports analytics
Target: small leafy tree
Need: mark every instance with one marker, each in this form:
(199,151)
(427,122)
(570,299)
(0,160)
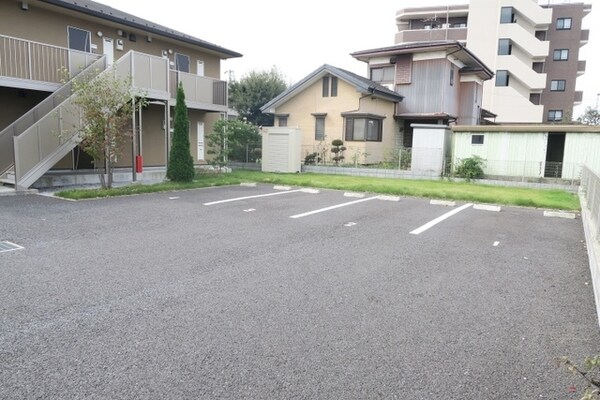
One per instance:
(337,148)
(591,116)
(106,105)
(470,168)
(180,167)
(229,138)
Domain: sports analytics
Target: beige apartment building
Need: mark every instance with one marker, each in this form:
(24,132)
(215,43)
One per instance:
(533,50)
(86,38)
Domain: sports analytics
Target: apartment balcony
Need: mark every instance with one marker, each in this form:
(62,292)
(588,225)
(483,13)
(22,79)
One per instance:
(31,65)
(585,36)
(26,64)
(581,64)
(519,36)
(578,98)
(421,35)
(529,10)
(522,72)
(200,92)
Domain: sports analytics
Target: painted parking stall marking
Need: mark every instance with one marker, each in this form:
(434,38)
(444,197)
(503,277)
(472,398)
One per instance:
(320,210)
(6,246)
(439,219)
(256,196)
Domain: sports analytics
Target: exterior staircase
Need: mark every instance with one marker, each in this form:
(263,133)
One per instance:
(34,143)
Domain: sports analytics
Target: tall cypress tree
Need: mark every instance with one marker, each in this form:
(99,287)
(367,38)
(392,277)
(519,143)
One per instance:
(181,165)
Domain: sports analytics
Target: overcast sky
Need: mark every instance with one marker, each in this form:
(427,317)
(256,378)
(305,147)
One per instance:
(298,37)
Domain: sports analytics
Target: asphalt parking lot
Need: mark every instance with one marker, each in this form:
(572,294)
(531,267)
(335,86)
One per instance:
(257,293)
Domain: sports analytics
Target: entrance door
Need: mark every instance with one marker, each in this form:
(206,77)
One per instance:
(108,50)
(200,70)
(554,155)
(200,141)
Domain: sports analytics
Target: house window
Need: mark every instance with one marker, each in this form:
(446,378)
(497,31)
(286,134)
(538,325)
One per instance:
(452,75)
(507,15)
(334,86)
(477,139)
(282,121)
(502,77)
(504,47)
(79,39)
(325,86)
(558,85)
(363,129)
(319,127)
(563,23)
(555,115)
(182,62)
(561,55)
(382,74)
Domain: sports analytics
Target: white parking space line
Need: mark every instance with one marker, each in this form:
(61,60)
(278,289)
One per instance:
(281,187)
(248,184)
(486,207)
(559,214)
(250,197)
(448,203)
(440,219)
(496,243)
(354,194)
(320,210)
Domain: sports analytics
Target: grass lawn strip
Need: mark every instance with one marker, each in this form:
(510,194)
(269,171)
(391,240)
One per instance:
(540,198)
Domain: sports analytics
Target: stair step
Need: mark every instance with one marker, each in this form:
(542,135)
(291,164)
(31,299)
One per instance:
(7,181)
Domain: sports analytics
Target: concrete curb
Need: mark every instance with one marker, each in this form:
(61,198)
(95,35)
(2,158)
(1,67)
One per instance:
(593,250)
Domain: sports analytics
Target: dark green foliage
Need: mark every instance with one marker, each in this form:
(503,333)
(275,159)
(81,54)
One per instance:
(236,140)
(254,91)
(311,159)
(338,150)
(181,165)
(470,168)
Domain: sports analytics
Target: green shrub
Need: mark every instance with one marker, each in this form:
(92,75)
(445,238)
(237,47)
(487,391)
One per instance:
(470,168)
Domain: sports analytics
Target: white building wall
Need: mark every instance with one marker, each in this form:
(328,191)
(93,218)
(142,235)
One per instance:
(484,16)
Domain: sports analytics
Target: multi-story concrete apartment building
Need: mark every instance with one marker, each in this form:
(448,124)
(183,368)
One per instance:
(39,38)
(533,49)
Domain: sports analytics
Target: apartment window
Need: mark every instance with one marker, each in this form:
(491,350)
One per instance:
(363,129)
(325,86)
(558,85)
(334,86)
(459,25)
(507,15)
(319,126)
(182,62)
(383,74)
(563,23)
(504,47)
(477,139)
(282,120)
(561,55)
(79,39)
(555,115)
(502,77)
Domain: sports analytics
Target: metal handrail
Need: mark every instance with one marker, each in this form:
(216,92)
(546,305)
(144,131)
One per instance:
(7,135)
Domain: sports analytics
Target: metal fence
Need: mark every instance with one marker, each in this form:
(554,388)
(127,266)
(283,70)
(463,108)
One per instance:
(590,187)
(245,152)
(422,161)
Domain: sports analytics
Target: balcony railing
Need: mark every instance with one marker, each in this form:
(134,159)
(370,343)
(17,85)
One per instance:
(25,59)
(417,35)
(581,64)
(200,89)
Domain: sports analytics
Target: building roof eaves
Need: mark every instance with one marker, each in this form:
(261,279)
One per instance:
(102,11)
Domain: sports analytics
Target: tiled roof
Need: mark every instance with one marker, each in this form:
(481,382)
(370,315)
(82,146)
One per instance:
(112,14)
